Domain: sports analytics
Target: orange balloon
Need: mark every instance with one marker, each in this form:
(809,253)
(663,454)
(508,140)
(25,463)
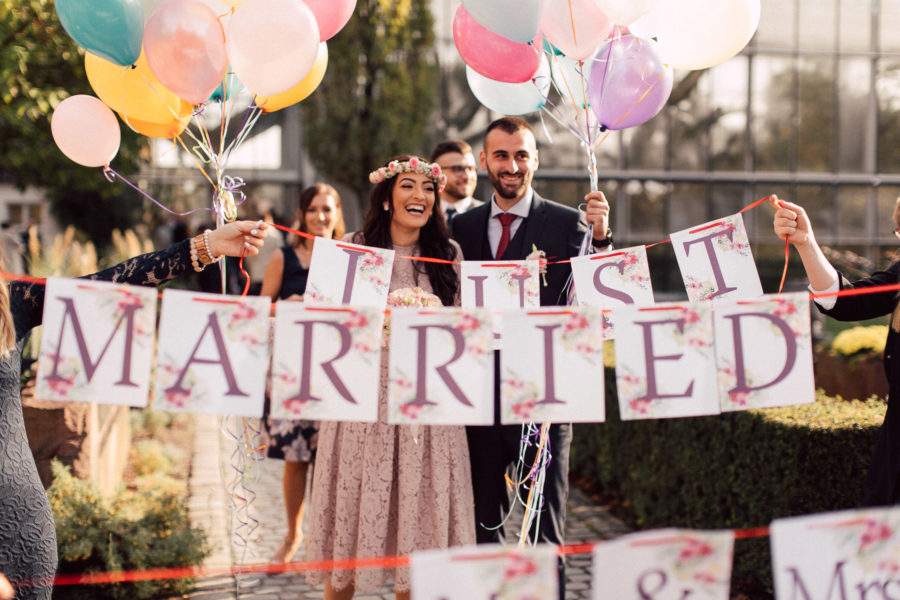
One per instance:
(135,91)
(167,130)
(307,85)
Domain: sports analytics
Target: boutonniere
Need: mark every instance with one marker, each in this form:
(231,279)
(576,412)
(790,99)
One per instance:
(541,257)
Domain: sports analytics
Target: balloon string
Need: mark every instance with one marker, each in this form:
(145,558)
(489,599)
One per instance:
(572,21)
(112,175)
(194,158)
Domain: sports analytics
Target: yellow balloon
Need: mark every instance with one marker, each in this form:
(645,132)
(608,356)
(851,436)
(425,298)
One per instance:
(133,91)
(307,85)
(168,129)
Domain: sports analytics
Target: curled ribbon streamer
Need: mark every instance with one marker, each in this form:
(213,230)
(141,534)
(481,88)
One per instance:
(112,175)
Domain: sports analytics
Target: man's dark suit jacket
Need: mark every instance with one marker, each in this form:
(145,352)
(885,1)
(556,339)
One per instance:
(551,227)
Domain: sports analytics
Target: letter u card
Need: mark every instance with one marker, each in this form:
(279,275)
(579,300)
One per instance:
(213,354)
(612,279)
(551,366)
(665,361)
(441,367)
(485,572)
(716,261)
(96,342)
(326,362)
(844,554)
(664,563)
(764,352)
(345,273)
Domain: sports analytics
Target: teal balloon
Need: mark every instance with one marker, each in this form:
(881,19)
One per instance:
(111,29)
(231,84)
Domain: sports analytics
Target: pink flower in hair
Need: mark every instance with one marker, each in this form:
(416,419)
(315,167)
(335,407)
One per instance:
(414,163)
(393,165)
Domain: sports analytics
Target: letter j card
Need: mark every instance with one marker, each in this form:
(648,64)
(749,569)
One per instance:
(96,342)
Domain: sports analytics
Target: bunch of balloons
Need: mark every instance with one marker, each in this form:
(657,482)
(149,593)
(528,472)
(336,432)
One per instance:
(160,63)
(610,61)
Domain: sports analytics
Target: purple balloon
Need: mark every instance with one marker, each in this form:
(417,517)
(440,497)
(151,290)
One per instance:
(629,84)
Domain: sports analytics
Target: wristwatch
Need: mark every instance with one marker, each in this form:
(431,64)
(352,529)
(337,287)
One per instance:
(605,242)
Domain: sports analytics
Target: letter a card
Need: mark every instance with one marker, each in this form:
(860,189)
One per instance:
(485,572)
(326,362)
(212,354)
(665,361)
(716,261)
(551,366)
(764,352)
(441,367)
(96,342)
(613,279)
(664,563)
(837,555)
(345,273)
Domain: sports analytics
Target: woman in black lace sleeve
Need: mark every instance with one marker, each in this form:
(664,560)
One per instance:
(27,534)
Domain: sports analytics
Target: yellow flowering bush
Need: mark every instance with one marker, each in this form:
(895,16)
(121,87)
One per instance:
(860,341)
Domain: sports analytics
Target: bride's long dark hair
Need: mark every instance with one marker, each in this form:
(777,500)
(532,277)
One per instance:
(434,238)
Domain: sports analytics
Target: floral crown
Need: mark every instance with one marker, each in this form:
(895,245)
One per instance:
(413,165)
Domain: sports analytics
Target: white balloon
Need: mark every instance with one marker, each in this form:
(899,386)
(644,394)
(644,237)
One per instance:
(625,12)
(571,79)
(697,34)
(511,98)
(517,20)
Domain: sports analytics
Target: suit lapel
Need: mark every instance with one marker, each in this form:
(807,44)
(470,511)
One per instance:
(533,225)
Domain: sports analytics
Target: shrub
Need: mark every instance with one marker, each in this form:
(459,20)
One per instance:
(860,341)
(734,470)
(133,530)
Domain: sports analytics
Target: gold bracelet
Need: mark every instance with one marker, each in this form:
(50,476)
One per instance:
(202,250)
(195,241)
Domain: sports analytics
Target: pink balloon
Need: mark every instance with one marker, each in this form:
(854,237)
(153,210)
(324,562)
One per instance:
(629,83)
(331,15)
(272,44)
(493,55)
(185,47)
(86,130)
(577,27)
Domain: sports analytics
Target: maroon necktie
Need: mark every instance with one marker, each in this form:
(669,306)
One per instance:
(506,220)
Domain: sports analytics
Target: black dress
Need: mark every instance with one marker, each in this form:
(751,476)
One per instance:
(28,555)
(290,439)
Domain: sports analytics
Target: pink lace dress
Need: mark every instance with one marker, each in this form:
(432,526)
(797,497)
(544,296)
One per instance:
(385,490)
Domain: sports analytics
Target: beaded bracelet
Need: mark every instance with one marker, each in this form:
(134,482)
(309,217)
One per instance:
(195,262)
(208,247)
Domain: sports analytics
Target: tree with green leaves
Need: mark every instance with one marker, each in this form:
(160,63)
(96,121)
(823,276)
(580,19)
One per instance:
(41,66)
(378,93)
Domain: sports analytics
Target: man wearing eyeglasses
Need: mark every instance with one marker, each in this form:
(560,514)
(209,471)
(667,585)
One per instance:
(457,161)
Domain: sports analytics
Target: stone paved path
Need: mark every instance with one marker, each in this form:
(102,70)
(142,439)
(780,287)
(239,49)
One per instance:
(586,522)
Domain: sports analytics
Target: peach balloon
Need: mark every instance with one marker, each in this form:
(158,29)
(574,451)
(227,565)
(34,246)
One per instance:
(300,91)
(168,129)
(86,130)
(577,27)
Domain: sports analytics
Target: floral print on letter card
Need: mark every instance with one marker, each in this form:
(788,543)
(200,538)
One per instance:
(441,367)
(500,285)
(837,555)
(486,571)
(96,342)
(213,354)
(552,366)
(764,352)
(665,563)
(665,361)
(326,362)
(611,279)
(345,273)
(715,260)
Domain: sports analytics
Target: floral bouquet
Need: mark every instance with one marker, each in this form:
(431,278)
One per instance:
(409,298)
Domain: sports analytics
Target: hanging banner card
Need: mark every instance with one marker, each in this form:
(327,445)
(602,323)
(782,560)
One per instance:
(326,362)
(764,352)
(665,361)
(345,273)
(485,572)
(213,354)
(665,563)
(441,367)
(552,366)
(96,342)
(715,260)
(500,285)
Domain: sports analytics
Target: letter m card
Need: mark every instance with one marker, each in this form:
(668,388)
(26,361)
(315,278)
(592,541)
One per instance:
(441,367)
(212,354)
(715,260)
(552,366)
(326,362)
(96,342)
(344,273)
(764,352)
(837,555)
(665,563)
(485,572)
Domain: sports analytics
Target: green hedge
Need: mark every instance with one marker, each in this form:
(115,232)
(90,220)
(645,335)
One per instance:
(734,470)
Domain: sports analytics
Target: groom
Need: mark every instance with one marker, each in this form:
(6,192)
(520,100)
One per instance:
(515,221)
